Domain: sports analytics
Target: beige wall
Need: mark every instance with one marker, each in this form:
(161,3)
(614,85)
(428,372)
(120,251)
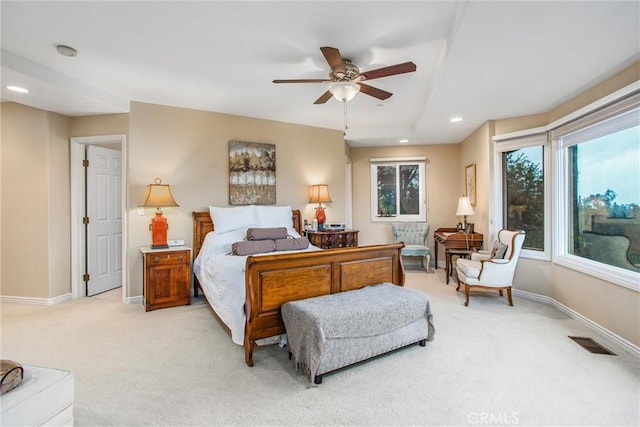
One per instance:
(189,150)
(443,188)
(477,149)
(107,124)
(35,203)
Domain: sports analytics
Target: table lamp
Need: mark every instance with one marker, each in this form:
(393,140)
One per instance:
(319,195)
(464,209)
(158,196)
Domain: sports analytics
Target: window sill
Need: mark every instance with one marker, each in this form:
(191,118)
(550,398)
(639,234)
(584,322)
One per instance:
(616,275)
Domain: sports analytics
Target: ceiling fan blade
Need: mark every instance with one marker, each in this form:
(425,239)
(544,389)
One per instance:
(333,57)
(374,91)
(302,81)
(324,98)
(405,67)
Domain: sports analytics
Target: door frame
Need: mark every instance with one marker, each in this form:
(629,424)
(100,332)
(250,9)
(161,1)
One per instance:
(78,145)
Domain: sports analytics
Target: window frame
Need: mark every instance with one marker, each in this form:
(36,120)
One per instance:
(509,142)
(611,120)
(422,201)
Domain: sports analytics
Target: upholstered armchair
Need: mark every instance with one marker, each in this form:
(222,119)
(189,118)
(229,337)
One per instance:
(414,236)
(486,271)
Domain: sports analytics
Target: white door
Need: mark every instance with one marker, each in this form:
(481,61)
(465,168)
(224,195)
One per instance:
(104,231)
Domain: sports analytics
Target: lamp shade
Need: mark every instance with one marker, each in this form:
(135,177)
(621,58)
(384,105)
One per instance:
(320,194)
(344,91)
(158,196)
(464,206)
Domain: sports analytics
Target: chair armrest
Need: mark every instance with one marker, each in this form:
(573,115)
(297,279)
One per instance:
(496,272)
(480,255)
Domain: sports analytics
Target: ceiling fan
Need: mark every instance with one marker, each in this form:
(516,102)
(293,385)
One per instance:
(346,79)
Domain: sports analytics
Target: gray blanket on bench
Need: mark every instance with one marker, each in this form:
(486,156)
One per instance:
(370,311)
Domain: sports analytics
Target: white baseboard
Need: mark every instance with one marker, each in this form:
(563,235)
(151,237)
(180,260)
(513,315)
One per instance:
(134,300)
(35,301)
(629,347)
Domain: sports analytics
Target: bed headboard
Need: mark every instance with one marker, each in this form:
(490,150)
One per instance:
(202,224)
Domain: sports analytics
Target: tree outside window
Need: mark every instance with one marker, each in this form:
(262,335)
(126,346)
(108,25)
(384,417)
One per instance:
(524,194)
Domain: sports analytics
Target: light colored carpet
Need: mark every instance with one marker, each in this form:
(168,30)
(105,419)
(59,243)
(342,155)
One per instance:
(490,364)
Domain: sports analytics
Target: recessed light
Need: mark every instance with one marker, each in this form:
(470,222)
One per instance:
(403,141)
(66,50)
(455,119)
(18,89)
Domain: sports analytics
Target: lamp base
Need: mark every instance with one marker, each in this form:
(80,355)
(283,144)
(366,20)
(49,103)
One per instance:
(159,231)
(321,217)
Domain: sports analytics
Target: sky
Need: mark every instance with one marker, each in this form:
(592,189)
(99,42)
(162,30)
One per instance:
(611,162)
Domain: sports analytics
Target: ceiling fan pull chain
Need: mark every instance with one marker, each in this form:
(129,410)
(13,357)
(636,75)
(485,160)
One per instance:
(345,118)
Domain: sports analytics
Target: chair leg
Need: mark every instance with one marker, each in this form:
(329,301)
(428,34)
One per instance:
(509,297)
(466,293)
(500,291)
(458,288)
(428,257)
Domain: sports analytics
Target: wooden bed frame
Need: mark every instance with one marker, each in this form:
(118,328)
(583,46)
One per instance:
(272,280)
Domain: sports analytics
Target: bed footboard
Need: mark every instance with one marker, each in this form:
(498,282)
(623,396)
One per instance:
(272,280)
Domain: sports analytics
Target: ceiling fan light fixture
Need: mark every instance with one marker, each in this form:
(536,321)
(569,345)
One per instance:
(344,91)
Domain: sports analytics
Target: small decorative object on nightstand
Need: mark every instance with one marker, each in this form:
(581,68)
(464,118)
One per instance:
(329,239)
(166,276)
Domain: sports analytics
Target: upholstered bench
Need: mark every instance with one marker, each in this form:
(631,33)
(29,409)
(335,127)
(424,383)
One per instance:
(333,331)
(43,398)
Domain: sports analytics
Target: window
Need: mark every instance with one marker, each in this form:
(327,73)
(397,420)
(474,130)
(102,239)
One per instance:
(597,204)
(522,202)
(524,194)
(397,189)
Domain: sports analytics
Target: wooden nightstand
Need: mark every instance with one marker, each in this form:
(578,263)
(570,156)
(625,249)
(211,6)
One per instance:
(329,239)
(166,276)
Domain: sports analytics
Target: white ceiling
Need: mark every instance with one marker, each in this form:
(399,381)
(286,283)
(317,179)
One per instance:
(480,60)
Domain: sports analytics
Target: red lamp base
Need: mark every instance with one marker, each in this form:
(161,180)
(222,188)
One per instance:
(159,231)
(320,217)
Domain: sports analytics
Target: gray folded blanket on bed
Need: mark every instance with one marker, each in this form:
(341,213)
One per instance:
(249,247)
(293,244)
(272,233)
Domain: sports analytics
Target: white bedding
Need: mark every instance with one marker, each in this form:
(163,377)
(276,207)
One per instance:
(222,278)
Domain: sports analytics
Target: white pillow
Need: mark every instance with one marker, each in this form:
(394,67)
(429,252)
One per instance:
(229,219)
(275,216)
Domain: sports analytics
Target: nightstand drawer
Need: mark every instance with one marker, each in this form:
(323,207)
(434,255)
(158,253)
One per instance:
(330,239)
(167,258)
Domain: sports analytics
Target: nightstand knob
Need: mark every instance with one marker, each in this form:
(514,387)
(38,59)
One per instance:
(156,259)
(180,258)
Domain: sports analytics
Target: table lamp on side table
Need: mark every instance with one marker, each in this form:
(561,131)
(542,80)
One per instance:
(158,196)
(464,209)
(320,195)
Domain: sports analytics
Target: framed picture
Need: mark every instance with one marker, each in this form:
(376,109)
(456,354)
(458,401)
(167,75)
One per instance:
(470,182)
(252,173)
